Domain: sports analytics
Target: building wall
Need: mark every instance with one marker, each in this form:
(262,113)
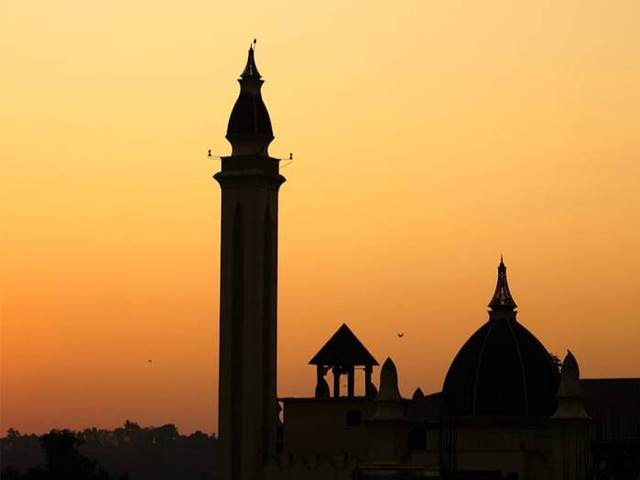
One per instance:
(311,466)
(515,446)
(326,426)
(424,445)
(614,405)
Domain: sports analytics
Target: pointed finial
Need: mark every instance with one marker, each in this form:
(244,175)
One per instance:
(569,393)
(502,267)
(502,299)
(388,382)
(250,69)
(389,404)
(418,394)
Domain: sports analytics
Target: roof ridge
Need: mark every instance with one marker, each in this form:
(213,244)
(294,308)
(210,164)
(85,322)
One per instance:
(477,373)
(524,375)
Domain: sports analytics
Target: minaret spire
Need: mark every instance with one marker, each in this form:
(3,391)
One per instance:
(502,299)
(249,130)
(250,69)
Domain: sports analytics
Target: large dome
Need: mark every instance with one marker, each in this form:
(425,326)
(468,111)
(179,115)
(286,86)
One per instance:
(503,369)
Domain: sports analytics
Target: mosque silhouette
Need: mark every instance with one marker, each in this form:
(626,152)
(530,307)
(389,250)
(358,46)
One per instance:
(506,410)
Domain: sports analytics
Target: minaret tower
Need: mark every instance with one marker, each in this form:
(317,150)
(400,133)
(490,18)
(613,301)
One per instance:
(249,179)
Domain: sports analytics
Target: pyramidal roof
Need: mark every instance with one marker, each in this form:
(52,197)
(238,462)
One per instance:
(343,349)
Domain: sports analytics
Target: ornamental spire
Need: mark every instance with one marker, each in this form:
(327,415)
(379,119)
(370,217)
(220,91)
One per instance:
(250,69)
(249,130)
(502,299)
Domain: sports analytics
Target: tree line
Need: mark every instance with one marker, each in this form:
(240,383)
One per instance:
(129,452)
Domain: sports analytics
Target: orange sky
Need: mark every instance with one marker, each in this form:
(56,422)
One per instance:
(428,138)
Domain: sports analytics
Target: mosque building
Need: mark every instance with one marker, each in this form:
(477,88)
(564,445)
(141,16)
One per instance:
(507,410)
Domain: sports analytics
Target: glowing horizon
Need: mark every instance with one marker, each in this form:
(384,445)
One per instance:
(428,139)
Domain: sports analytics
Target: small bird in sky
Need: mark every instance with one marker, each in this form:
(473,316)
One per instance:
(209,153)
(150,361)
(290,156)
(401,334)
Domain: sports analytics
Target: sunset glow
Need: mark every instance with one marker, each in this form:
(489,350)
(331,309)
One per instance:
(428,138)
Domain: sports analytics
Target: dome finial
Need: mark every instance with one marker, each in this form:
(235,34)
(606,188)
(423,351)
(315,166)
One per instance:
(502,299)
(250,69)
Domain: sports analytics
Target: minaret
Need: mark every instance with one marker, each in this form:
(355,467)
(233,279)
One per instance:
(249,179)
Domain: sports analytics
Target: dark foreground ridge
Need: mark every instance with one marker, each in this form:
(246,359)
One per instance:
(129,452)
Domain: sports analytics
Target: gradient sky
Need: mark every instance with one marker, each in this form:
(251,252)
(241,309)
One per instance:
(428,137)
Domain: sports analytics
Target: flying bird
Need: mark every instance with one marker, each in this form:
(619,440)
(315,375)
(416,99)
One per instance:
(150,361)
(290,156)
(401,334)
(209,153)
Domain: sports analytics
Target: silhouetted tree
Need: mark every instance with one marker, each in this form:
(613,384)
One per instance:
(153,453)
(64,461)
(19,453)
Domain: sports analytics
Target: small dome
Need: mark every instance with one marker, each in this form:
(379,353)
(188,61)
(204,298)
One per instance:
(502,370)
